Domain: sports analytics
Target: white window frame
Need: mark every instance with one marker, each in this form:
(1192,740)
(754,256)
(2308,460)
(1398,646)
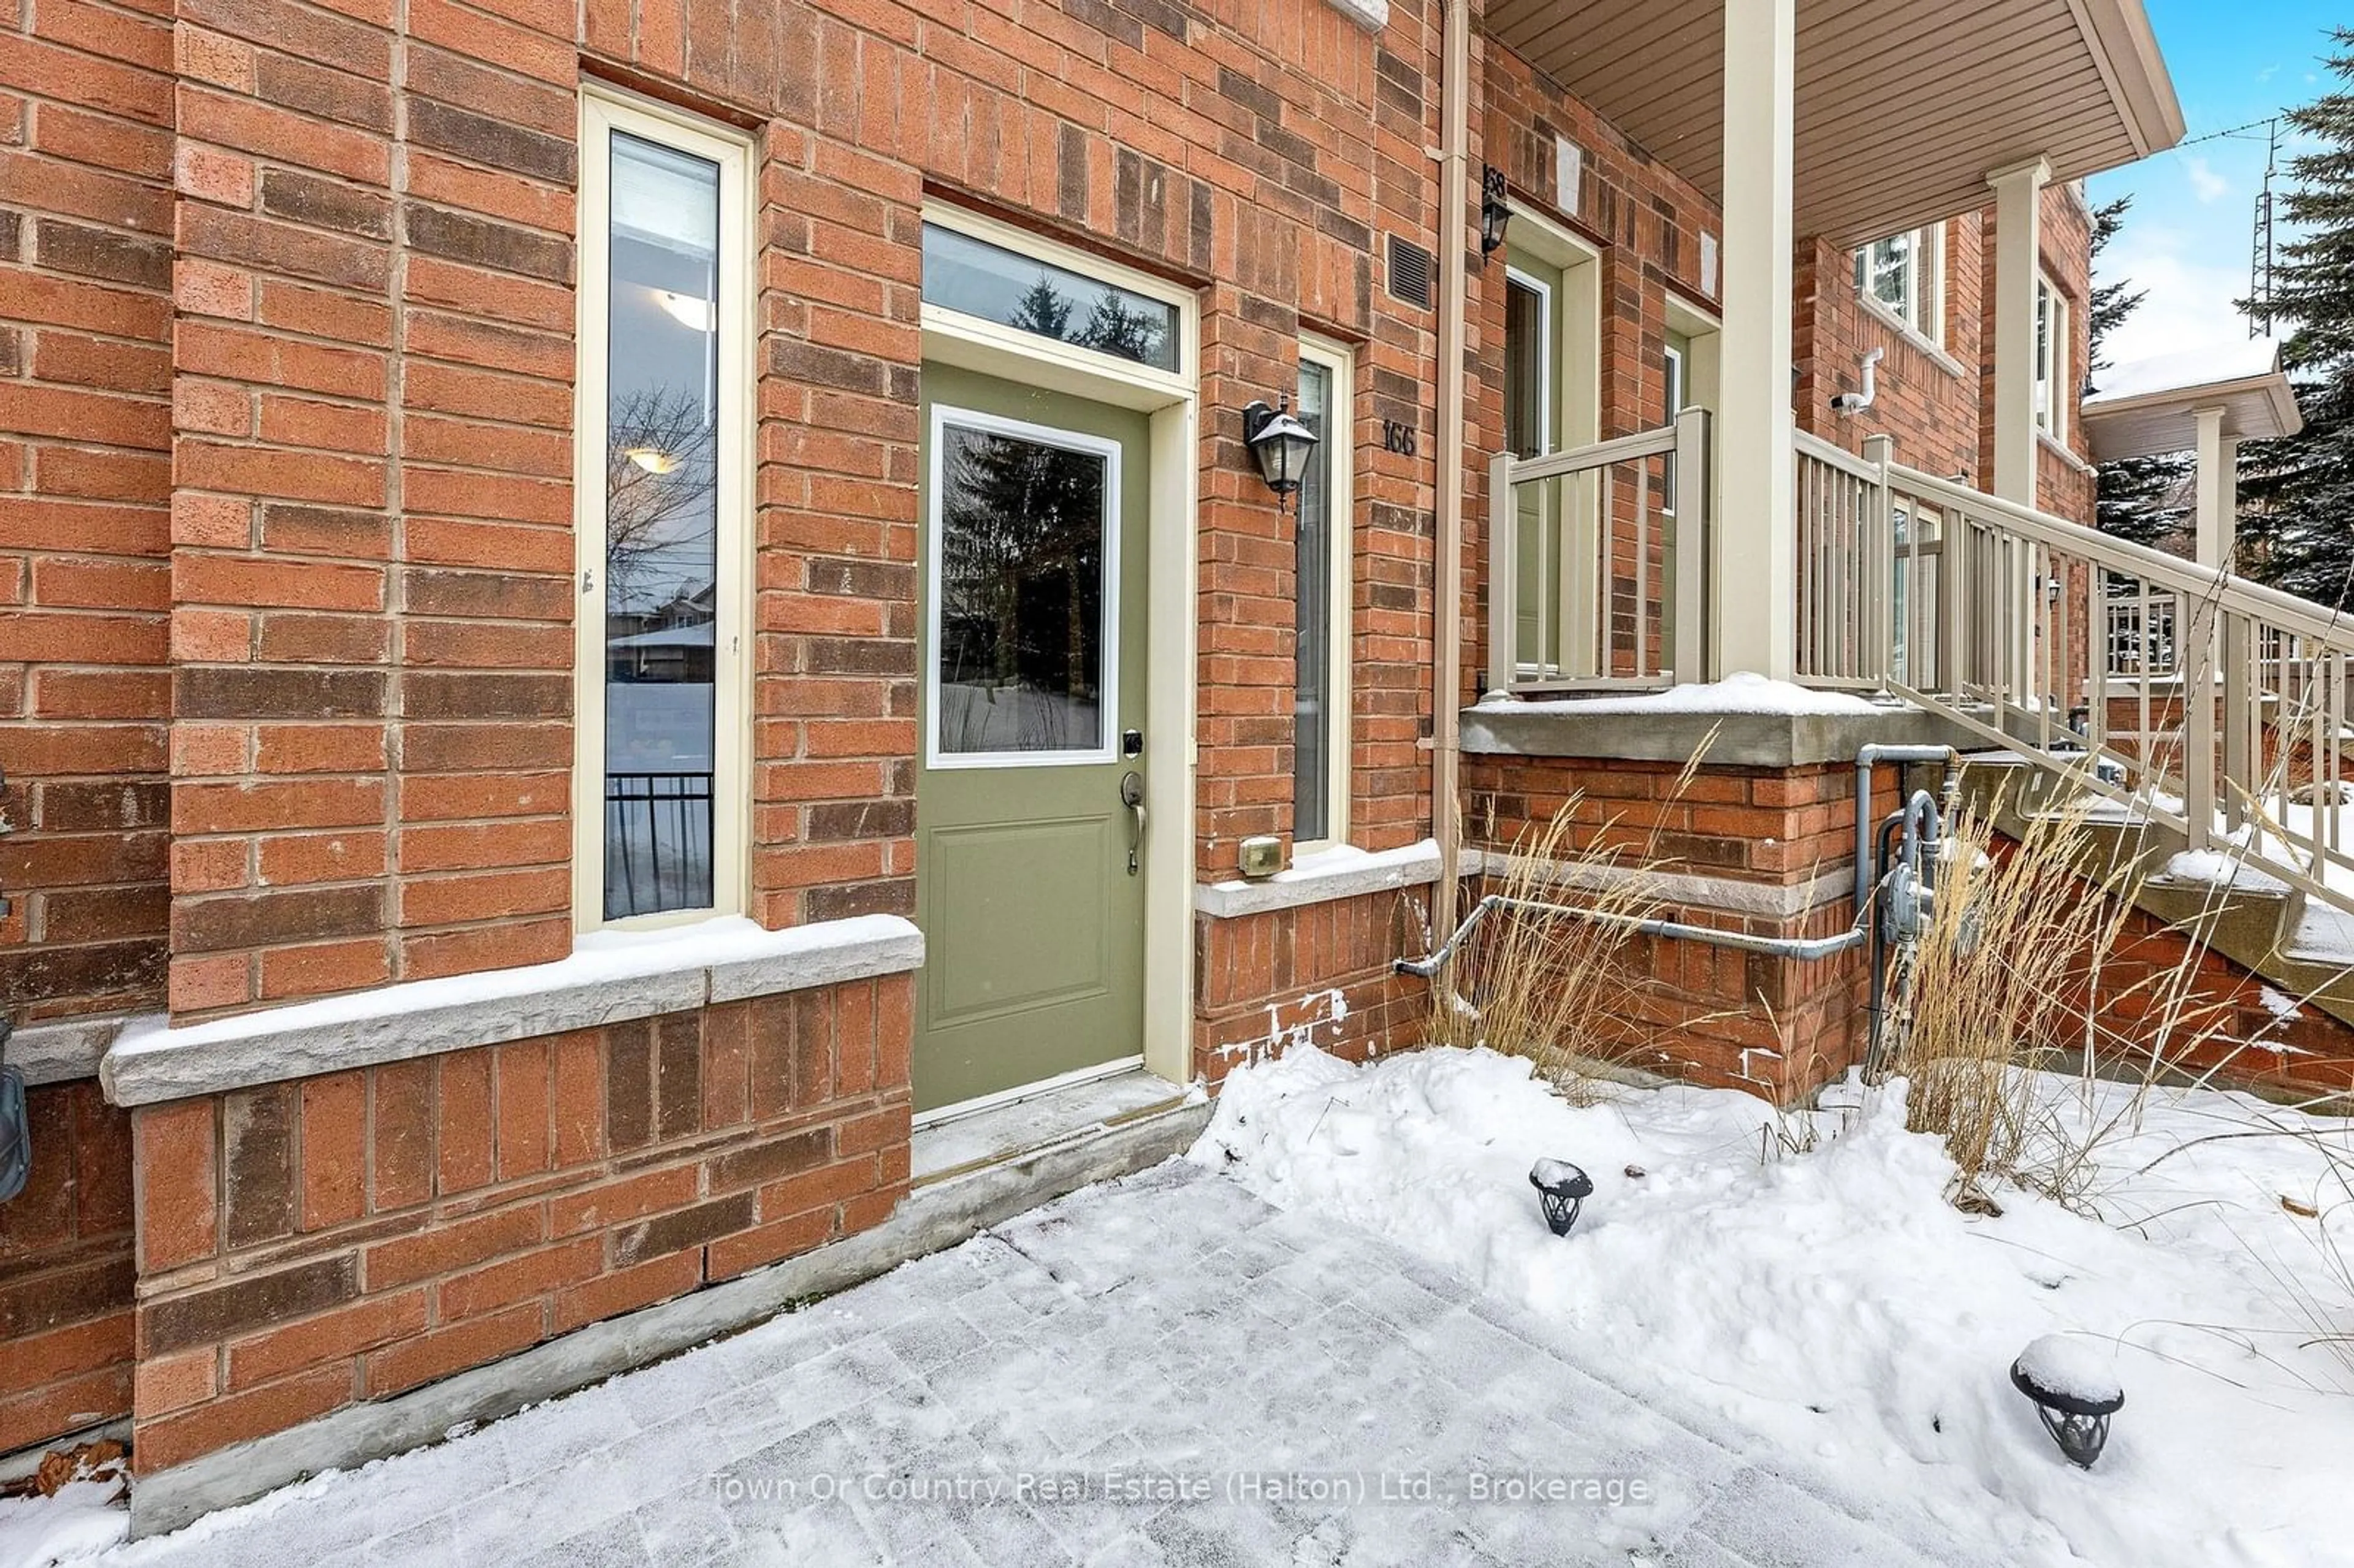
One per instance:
(2051,355)
(604,111)
(1548,366)
(1107,705)
(1922,311)
(1337,361)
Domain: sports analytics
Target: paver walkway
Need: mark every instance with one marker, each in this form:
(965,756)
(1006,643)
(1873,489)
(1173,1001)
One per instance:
(1164,1334)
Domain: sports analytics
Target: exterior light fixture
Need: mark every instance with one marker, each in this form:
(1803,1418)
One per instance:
(1494,213)
(1562,1191)
(1281,444)
(2074,1394)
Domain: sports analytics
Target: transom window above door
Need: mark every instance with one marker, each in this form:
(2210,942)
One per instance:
(970,275)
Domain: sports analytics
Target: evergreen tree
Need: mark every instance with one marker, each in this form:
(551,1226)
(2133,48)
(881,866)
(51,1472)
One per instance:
(2138,498)
(2296,494)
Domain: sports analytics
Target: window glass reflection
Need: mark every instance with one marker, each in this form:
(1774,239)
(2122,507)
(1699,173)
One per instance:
(1022,535)
(1311,753)
(662,527)
(997,285)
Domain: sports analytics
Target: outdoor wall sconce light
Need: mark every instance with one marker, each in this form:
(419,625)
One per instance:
(1281,444)
(1494,214)
(1562,1191)
(2075,1396)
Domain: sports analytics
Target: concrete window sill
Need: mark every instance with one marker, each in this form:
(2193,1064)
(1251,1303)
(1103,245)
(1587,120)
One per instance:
(610,978)
(1373,14)
(1334,873)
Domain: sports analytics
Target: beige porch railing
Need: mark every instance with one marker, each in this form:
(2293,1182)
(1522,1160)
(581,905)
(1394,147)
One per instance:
(1595,563)
(2215,705)
(2207,703)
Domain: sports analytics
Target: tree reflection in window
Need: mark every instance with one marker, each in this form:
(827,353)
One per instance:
(1020,611)
(979,278)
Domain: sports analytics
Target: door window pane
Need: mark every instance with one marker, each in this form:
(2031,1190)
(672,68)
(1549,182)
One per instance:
(989,281)
(662,527)
(1312,761)
(1022,533)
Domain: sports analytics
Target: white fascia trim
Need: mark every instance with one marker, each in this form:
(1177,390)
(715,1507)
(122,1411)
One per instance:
(611,978)
(1316,879)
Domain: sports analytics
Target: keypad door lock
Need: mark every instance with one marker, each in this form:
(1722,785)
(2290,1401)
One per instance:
(1131,743)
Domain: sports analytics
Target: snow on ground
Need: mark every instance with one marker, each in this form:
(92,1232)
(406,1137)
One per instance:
(1830,1307)
(80,1522)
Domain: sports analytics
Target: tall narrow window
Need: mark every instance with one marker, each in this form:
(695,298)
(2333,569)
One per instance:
(2050,359)
(1675,381)
(1319,775)
(663,491)
(1528,365)
(1529,432)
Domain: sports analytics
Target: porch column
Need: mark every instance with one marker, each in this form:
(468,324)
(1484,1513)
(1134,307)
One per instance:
(2219,490)
(1753,559)
(2018,260)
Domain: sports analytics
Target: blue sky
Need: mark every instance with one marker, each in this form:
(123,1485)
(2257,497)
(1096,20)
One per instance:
(2187,240)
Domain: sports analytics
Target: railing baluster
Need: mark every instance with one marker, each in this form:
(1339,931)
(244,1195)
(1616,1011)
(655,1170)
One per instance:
(1503,582)
(1693,501)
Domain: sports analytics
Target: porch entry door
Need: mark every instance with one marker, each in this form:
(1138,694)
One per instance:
(1029,866)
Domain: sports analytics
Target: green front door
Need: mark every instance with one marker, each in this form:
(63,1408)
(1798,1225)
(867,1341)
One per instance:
(1028,876)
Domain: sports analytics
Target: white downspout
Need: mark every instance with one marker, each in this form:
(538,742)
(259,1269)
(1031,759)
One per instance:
(1446,630)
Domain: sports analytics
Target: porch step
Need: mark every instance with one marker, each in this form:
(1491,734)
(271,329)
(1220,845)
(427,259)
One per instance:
(955,1145)
(2301,947)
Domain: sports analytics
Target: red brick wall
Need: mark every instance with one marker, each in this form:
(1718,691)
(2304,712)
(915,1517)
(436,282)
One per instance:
(1319,975)
(305,1244)
(85,384)
(1778,1027)
(66,1272)
(2224,1021)
(373,368)
(371,615)
(1927,401)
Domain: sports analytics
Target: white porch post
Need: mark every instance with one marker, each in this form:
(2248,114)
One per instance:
(1753,558)
(2018,258)
(2218,490)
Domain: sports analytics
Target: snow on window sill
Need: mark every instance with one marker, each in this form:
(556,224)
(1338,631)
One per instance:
(1374,14)
(1338,872)
(612,977)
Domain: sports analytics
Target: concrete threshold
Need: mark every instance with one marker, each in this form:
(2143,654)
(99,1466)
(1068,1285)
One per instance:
(948,1207)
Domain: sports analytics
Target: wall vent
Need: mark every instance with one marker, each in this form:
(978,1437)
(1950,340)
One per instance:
(1410,272)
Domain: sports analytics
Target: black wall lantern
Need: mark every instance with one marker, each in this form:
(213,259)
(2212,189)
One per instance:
(1281,444)
(1494,214)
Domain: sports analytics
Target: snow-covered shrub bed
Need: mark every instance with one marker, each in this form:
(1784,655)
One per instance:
(1830,1312)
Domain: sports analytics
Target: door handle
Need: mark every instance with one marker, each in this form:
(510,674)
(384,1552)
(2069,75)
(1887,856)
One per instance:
(1131,795)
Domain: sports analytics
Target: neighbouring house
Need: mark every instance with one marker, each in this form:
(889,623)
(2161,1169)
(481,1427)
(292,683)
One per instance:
(620,617)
